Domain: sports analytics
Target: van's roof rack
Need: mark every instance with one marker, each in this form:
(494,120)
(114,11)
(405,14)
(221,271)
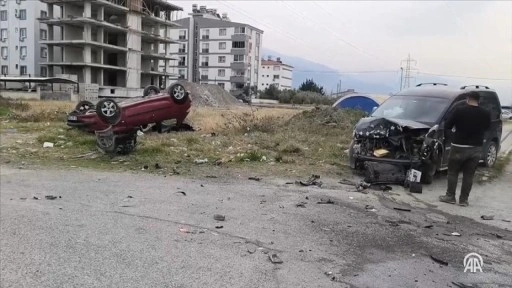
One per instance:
(476,86)
(435,84)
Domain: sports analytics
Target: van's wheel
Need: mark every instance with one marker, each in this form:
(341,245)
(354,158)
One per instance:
(491,154)
(109,111)
(84,106)
(150,90)
(178,93)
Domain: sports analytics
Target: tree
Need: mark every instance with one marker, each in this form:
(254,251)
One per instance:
(310,85)
(271,92)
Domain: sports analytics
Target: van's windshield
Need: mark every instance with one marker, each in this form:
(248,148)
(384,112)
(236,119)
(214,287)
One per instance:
(419,109)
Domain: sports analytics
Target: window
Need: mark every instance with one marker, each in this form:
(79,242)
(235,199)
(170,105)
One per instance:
(419,109)
(44,14)
(23,33)
(5,69)
(43,34)
(205,48)
(23,70)
(222,32)
(204,61)
(44,52)
(4,52)
(3,35)
(183,48)
(23,52)
(239,30)
(3,15)
(206,34)
(276,77)
(222,59)
(44,71)
(222,45)
(204,74)
(238,44)
(276,68)
(23,14)
(238,58)
(181,72)
(183,34)
(182,61)
(221,73)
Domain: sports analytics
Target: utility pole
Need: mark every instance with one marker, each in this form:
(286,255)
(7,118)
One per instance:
(408,69)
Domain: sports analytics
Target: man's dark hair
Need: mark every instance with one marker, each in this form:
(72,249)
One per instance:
(473,95)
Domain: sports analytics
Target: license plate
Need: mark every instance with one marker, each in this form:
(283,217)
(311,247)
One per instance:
(72,118)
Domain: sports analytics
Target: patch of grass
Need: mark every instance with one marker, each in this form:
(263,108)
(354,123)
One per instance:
(263,140)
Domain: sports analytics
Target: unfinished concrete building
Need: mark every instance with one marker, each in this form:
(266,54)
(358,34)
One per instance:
(115,46)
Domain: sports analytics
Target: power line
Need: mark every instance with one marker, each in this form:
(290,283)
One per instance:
(468,77)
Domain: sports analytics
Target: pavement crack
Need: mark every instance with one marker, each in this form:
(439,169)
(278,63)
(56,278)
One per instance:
(247,240)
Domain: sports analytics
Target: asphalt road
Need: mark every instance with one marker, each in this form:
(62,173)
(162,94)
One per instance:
(135,230)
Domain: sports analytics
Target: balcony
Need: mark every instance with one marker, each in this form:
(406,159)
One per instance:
(239,65)
(240,51)
(239,79)
(204,77)
(240,37)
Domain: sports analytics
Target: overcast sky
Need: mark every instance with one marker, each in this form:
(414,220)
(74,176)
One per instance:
(472,38)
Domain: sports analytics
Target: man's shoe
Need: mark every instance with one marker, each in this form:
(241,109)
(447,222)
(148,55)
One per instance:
(447,199)
(463,203)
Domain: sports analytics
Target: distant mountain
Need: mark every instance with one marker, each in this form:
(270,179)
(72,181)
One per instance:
(329,78)
(379,83)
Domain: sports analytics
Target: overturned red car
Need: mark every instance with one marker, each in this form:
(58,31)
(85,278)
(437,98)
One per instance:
(116,123)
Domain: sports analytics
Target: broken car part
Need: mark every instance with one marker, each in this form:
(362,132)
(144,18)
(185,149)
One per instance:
(219,217)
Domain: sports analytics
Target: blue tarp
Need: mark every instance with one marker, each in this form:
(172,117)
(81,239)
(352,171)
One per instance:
(365,102)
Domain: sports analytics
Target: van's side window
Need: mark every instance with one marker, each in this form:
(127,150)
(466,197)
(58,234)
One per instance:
(489,101)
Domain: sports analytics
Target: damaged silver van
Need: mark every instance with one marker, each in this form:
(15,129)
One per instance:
(407,129)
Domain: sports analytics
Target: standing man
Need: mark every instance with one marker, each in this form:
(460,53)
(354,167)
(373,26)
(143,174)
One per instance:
(470,121)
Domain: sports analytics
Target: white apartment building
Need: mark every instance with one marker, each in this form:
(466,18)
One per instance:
(275,73)
(114,46)
(21,51)
(215,50)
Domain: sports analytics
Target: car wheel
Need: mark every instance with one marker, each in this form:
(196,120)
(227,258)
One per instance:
(109,111)
(178,93)
(491,154)
(150,90)
(84,106)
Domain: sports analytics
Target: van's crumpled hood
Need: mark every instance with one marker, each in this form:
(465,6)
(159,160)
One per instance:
(381,127)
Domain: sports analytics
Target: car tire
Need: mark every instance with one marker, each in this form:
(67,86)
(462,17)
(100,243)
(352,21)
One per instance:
(178,93)
(150,90)
(491,154)
(84,106)
(109,111)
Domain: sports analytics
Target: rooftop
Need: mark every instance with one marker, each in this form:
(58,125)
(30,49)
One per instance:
(273,62)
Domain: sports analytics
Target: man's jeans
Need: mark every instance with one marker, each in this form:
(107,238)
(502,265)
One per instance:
(463,159)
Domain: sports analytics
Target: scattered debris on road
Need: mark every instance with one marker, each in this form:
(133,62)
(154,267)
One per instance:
(462,285)
(201,161)
(455,234)
(211,176)
(301,204)
(129,196)
(429,226)
(51,197)
(497,235)
(487,217)
(182,192)
(392,223)
(439,261)
(219,217)
(251,250)
(157,166)
(255,178)
(312,181)
(146,167)
(370,208)
(505,220)
(36,198)
(402,209)
(328,201)
(47,145)
(219,227)
(275,259)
